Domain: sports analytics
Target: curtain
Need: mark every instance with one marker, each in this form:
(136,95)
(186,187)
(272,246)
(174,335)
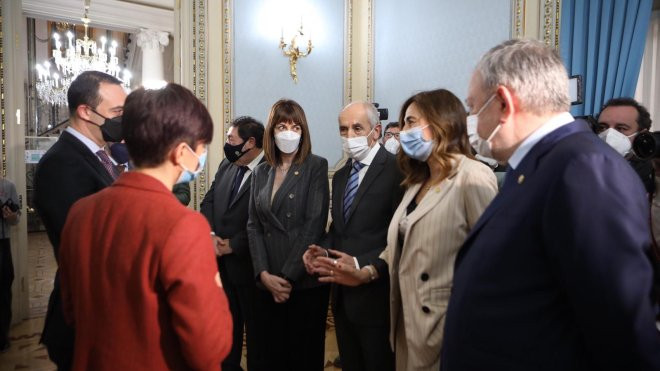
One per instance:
(648,85)
(603,41)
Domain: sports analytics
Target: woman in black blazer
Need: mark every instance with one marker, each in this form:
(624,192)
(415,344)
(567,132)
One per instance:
(288,212)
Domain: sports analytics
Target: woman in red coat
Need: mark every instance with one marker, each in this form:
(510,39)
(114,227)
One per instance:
(139,280)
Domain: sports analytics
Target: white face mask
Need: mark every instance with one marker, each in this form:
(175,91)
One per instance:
(617,140)
(356,148)
(482,146)
(287,141)
(392,146)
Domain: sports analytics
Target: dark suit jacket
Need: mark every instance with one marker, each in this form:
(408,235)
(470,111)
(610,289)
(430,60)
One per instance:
(230,221)
(68,172)
(280,233)
(138,281)
(555,274)
(365,234)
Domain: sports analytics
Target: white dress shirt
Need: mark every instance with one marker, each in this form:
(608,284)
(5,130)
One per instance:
(251,167)
(88,143)
(366,162)
(551,125)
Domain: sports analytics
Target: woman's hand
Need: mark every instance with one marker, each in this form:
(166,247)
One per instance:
(278,286)
(313,252)
(340,268)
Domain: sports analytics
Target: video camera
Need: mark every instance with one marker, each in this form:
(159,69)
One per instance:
(646,145)
(11,205)
(383,113)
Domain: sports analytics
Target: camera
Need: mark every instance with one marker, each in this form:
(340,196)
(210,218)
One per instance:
(646,145)
(383,113)
(11,205)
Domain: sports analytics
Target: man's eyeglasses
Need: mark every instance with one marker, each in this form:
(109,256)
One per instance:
(389,135)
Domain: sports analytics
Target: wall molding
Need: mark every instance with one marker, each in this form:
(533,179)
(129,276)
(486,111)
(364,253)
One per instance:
(110,14)
(537,19)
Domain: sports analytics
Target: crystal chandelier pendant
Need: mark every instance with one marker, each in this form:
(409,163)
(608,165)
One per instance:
(73,58)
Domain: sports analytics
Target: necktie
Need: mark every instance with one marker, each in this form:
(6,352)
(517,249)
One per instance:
(107,164)
(237,182)
(351,188)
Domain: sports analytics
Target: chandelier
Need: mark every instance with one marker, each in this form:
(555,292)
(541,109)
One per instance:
(73,58)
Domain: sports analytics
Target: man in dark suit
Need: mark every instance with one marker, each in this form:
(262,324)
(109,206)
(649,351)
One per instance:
(226,206)
(555,275)
(76,166)
(363,201)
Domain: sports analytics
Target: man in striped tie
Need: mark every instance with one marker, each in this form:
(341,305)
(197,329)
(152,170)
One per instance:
(365,194)
(77,165)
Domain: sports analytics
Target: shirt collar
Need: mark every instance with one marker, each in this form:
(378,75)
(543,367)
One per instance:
(255,161)
(370,156)
(86,141)
(549,126)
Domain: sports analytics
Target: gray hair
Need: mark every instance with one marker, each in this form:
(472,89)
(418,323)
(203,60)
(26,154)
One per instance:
(372,112)
(533,71)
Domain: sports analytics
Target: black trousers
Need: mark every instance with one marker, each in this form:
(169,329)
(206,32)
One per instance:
(241,298)
(57,336)
(6,280)
(291,336)
(362,348)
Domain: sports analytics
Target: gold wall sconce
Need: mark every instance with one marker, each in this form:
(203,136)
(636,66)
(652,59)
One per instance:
(293,52)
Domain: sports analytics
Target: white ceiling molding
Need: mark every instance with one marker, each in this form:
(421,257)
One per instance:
(126,16)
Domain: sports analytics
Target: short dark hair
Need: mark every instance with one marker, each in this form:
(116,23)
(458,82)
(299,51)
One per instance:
(155,121)
(643,116)
(85,89)
(248,127)
(286,110)
(393,124)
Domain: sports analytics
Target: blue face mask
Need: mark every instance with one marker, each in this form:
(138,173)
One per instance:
(188,176)
(414,145)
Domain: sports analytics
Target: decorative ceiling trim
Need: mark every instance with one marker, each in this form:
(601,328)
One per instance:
(111,14)
(158,4)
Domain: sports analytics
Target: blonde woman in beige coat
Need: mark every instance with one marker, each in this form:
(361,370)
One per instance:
(447,191)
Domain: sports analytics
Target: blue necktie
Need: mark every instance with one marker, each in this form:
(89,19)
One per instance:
(237,182)
(351,188)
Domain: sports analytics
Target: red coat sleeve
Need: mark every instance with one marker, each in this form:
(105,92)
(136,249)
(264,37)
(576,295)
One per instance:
(200,313)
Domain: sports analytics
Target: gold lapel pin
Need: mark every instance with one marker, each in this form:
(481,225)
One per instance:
(521,179)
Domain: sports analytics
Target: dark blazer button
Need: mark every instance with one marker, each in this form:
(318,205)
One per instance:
(268,234)
(291,195)
(425,276)
(425,309)
(288,215)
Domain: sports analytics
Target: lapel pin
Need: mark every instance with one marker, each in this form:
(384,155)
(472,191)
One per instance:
(521,179)
(296,172)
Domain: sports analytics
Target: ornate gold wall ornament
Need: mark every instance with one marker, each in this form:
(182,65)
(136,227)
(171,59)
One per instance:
(293,52)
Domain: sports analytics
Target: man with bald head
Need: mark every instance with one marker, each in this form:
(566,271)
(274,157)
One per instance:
(365,193)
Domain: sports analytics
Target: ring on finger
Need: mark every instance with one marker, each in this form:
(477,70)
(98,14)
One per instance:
(334,262)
